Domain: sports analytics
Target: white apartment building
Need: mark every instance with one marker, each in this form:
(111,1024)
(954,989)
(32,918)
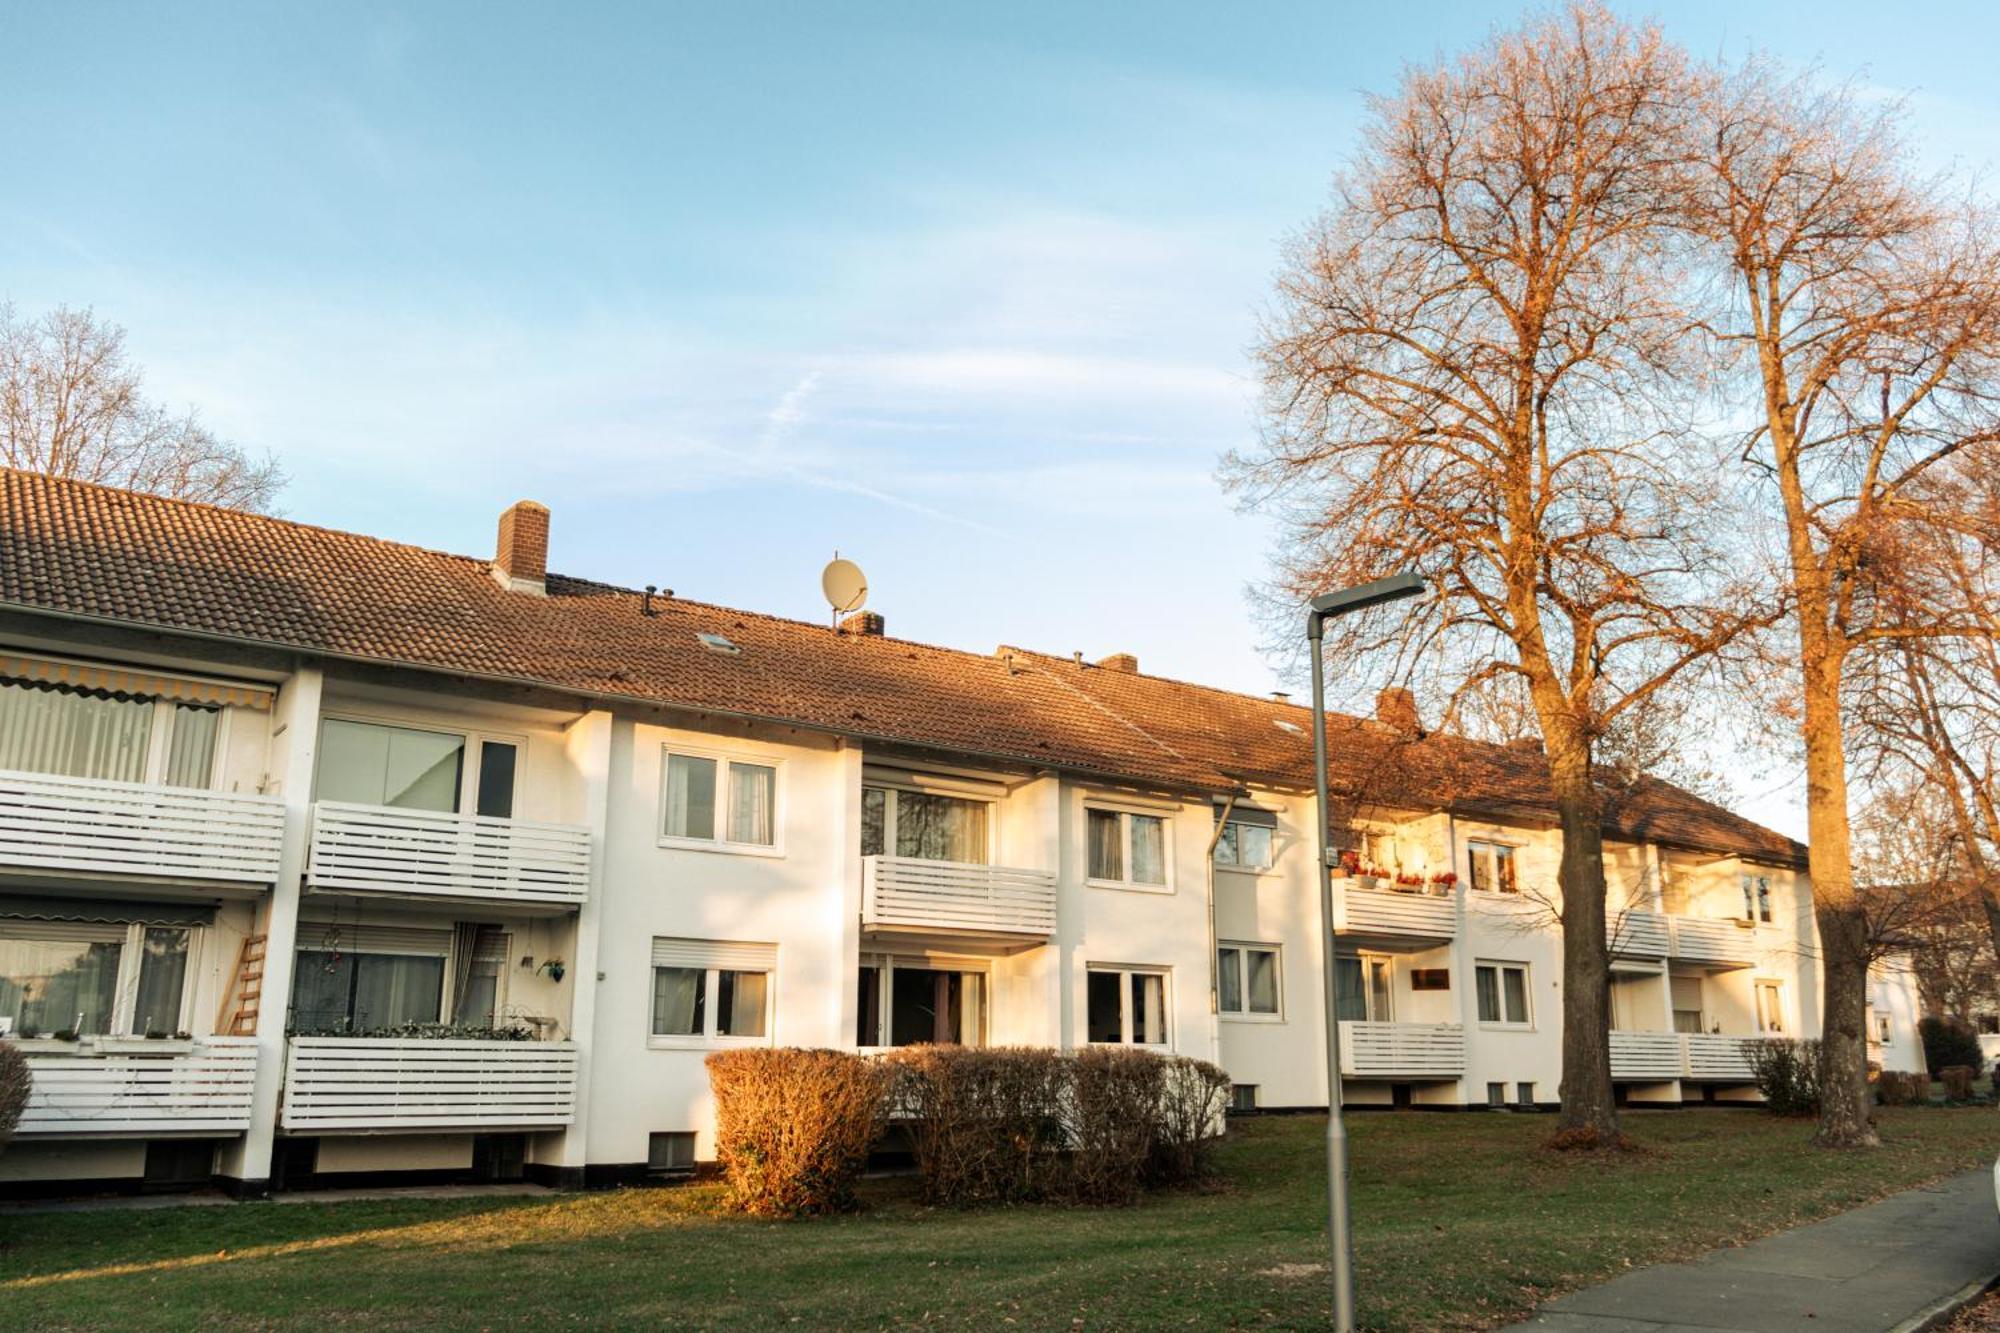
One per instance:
(326,859)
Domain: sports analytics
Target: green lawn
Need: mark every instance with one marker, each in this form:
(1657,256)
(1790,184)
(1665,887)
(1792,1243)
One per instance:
(1461,1221)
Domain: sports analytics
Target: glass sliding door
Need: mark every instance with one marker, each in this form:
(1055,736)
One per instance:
(368,763)
(923,825)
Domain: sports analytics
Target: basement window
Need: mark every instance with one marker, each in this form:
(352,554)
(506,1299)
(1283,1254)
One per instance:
(670,1154)
(1243,1097)
(1496,1095)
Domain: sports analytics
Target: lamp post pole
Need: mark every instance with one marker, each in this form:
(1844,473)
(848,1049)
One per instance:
(1330,606)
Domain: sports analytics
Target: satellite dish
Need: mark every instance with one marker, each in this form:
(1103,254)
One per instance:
(845,586)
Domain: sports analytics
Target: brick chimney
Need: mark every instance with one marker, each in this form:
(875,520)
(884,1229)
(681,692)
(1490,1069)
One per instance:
(1124,662)
(863,622)
(521,562)
(1396,708)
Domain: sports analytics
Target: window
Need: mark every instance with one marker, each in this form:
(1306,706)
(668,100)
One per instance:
(1524,1096)
(480,980)
(1502,989)
(923,825)
(1770,1007)
(1246,837)
(1247,979)
(1687,1004)
(670,1154)
(403,768)
(1492,867)
(1362,989)
(92,978)
(1430,978)
(1127,849)
(79,733)
(1496,1095)
(338,991)
(905,1004)
(1126,1005)
(1243,1097)
(719,802)
(1756,898)
(706,990)
(1885,1032)
(497,762)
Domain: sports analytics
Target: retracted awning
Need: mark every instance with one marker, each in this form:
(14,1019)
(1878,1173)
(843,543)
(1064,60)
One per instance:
(133,681)
(112,911)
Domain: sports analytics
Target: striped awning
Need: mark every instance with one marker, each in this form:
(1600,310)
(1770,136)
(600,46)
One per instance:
(23,907)
(133,681)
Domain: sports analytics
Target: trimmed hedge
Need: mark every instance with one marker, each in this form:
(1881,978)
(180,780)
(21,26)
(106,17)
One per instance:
(793,1127)
(1948,1042)
(987,1126)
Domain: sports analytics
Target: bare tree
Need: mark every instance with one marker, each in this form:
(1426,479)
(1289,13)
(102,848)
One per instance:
(1473,370)
(71,405)
(1858,305)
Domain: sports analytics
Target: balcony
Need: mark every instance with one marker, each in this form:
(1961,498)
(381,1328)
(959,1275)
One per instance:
(1394,918)
(1635,934)
(362,1085)
(1721,941)
(1006,905)
(90,826)
(425,854)
(132,1087)
(1402,1050)
(1718,1059)
(1647,1057)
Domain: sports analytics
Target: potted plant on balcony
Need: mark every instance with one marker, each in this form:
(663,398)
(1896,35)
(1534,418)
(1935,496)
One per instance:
(1443,883)
(554,967)
(1350,864)
(1408,881)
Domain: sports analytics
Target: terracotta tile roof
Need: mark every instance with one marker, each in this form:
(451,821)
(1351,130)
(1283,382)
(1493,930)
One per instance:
(77,549)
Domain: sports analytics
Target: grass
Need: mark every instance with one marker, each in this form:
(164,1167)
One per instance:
(1461,1222)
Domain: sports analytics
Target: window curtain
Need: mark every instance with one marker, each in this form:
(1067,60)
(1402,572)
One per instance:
(741,1005)
(191,747)
(940,828)
(1149,1009)
(391,990)
(678,1008)
(1107,850)
(874,823)
(1350,1002)
(163,966)
(690,797)
(464,948)
(1263,981)
(1149,849)
(56,985)
(752,788)
(73,733)
(1229,979)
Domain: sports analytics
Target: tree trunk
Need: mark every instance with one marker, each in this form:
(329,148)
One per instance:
(1588,1103)
(1843,927)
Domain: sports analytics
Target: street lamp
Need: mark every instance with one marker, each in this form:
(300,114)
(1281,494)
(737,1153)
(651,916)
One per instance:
(1325,607)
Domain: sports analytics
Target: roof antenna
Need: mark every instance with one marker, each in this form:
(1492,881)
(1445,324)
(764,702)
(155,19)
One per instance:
(646,603)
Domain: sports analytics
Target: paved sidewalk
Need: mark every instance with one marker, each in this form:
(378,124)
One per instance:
(1887,1266)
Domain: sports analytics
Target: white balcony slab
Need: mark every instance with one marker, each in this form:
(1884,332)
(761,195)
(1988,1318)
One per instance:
(118,1089)
(1383,914)
(350,1085)
(97,827)
(1402,1050)
(902,893)
(425,854)
(1640,1057)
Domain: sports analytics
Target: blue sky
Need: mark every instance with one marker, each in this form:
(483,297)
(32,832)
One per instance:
(963,291)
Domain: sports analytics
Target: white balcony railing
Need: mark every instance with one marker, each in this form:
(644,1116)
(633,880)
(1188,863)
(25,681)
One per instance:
(1718,1059)
(1401,1050)
(139,1087)
(1635,934)
(422,853)
(907,893)
(1383,912)
(339,1085)
(94,826)
(1701,939)
(1647,1056)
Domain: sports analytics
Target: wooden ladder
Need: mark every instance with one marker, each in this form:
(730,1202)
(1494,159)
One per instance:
(246,991)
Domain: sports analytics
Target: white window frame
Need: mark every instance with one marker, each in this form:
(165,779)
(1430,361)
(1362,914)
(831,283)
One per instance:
(125,993)
(1757,908)
(1490,855)
(919,788)
(1238,867)
(887,964)
(1776,987)
(723,760)
(1243,949)
(1369,960)
(1125,973)
(1500,967)
(474,738)
(1126,814)
(711,1012)
(159,739)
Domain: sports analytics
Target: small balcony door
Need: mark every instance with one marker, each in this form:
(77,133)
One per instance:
(1771,1008)
(909,1003)
(1363,987)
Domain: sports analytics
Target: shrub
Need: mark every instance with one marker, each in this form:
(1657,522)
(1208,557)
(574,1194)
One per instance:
(1897,1088)
(14,1081)
(1112,1121)
(1787,1073)
(1193,1098)
(793,1127)
(987,1124)
(1948,1042)
(1957,1082)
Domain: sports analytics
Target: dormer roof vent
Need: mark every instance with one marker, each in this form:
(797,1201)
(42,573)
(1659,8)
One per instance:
(719,644)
